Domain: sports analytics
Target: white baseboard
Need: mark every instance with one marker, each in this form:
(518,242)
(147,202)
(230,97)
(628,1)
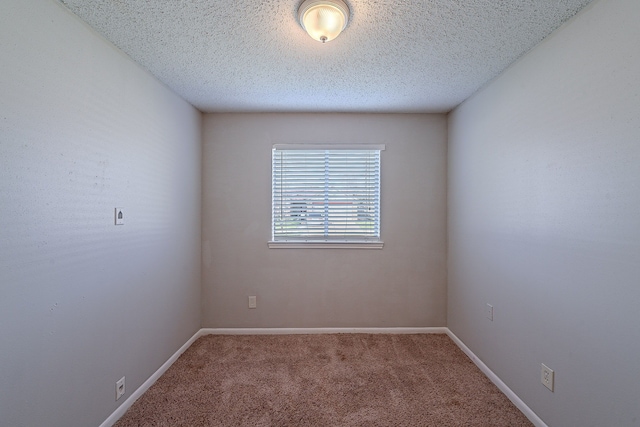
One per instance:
(119,412)
(536,420)
(309,331)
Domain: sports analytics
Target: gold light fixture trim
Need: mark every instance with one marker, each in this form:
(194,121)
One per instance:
(324,20)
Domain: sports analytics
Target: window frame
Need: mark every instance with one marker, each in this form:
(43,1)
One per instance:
(337,243)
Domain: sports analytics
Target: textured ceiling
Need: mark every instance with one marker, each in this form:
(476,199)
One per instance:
(394,55)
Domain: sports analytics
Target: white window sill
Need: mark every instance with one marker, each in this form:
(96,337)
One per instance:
(325,245)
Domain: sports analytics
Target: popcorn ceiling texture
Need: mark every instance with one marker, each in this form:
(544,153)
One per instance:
(394,55)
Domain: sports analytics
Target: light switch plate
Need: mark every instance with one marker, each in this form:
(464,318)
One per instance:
(119,215)
(252,302)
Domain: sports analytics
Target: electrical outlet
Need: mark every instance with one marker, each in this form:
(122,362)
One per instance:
(547,377)
(489,312)
(120,388)
(252,302)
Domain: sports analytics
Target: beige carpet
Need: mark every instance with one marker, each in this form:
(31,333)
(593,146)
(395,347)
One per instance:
(323,380)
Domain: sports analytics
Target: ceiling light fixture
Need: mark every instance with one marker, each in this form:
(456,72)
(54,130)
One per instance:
(324,20)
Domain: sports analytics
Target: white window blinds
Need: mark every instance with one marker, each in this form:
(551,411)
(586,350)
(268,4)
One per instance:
(324,194)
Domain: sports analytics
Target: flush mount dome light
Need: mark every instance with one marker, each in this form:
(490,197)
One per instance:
(324,20)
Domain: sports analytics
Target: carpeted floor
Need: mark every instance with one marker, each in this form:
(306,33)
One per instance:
(323,380)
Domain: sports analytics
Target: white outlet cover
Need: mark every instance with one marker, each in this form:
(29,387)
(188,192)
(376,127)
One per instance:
(489,312)
(120,389)
(252,302)
(119,216)
(547,375)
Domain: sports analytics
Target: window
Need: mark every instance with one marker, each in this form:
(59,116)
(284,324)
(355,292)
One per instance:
(326,196)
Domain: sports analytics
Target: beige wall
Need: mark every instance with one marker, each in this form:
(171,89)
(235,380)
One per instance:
(83,129)
(400,285)
(544,220)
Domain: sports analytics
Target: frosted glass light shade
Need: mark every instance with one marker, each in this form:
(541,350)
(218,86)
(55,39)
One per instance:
(324,20)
